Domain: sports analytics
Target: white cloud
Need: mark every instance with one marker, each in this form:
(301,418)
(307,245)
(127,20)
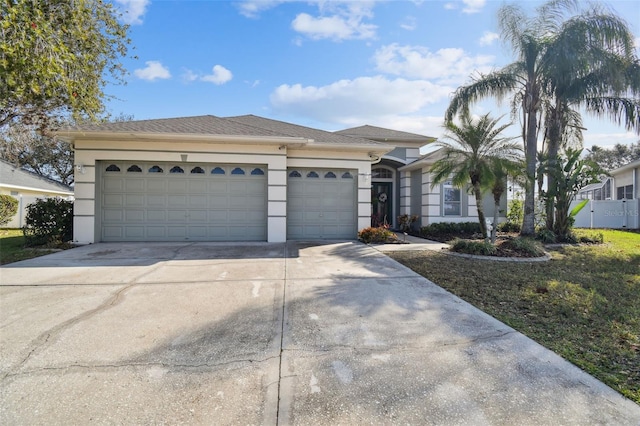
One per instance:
(363,99)
(253,8)
(220,75)
(133,10)
(338,20)
(153,71)
(189,76)
(469,6)
(608,140)
(410,23)
(488,38)
(473,6)
(450,65)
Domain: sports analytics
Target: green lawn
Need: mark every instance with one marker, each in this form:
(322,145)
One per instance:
(584,304)
(12,247)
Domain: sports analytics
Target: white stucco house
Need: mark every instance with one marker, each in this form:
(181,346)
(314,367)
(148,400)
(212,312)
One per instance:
(248,178)
(27,187)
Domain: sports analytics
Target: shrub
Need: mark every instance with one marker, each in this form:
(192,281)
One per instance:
(8,208)
(515,211)
(592,238)
(405,221)
(48,221)
(509,227)
(526,247)
(450,228)
(378,234)
(546,236)
(481,248)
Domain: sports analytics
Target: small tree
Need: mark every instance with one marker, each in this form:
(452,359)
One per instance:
(470,151)
(571,174)
(8,208)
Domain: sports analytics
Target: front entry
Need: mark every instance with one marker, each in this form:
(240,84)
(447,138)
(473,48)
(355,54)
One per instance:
(381,203)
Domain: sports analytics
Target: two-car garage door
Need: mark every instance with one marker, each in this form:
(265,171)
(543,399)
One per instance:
(182,202)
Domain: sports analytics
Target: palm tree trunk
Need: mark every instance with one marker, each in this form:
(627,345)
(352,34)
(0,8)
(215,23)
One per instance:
(531,151)
(477,192)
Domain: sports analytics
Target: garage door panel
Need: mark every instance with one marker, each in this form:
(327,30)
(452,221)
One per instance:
(114,200)
(321,207)
(156,215)
(177,185)
(197,187)
(134,185)
(114,184)
(152,232)
(198,216)
(133,200)
(177,200)
(155,186)
(134,216)
(176,215)
(113,215)
(156,200)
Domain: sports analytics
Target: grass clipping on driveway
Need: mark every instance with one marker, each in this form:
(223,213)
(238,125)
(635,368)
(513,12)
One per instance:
(584,304)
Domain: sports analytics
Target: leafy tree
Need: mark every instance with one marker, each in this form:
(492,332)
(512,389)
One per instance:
(56,56)
(571,173)
(470,152)
(8,208)
(618,156)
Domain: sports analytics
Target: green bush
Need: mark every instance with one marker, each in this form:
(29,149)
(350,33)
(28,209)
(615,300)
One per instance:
(48,221)
(509,227)
(523,246)
(546,236)
(515,211)
(8,208)
(450,228)
(592,238)
(376,235)
(480,248)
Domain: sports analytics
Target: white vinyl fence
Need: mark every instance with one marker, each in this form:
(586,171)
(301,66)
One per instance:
(613,214)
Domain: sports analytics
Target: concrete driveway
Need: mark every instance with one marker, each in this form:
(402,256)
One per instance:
(253,334)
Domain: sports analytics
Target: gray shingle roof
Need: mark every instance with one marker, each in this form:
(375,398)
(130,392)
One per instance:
(380,133)
(202,125)
(14,176)
(289,129)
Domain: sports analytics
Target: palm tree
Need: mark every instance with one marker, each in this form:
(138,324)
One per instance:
(470,152)
(501,169)
(546,51)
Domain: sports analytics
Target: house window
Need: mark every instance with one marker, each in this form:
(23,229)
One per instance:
(113,168)
(295,174)
(347,175)
(156,169)
(197,170)
(625,192)
(176,169)
(312,175)
(451,200)
(134,169)
(257,172)
(381,173)
(330,175)
(237,171)
(217,171)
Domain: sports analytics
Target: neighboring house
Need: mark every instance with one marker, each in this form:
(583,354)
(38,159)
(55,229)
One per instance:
(615,202)
(247,178)
(27,187)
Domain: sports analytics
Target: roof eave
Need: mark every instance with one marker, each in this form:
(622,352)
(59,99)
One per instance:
(29,188)
(70,136)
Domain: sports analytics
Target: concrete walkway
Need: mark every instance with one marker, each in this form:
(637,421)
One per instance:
(268,334)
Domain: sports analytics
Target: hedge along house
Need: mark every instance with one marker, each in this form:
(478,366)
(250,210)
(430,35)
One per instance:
(208,178)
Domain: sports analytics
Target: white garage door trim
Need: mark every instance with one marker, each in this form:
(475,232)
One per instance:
(321,204)
(160,201)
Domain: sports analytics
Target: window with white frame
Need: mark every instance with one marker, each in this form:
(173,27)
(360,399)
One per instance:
(451,200)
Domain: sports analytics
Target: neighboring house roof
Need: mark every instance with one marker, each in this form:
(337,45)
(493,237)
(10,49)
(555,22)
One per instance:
(13,177)
(591,187)
(386,135)
(626,167)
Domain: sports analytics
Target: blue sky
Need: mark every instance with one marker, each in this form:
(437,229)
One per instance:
(325,64)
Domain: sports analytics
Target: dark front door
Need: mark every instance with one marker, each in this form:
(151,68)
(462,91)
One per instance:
(381,201)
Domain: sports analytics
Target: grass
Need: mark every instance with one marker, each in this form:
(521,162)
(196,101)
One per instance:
(584,304)
(12,248)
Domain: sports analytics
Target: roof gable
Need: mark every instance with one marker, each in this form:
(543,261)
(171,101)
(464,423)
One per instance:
(13,176)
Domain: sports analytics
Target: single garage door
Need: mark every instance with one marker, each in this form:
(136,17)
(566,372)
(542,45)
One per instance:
(182,202)
(321,204)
